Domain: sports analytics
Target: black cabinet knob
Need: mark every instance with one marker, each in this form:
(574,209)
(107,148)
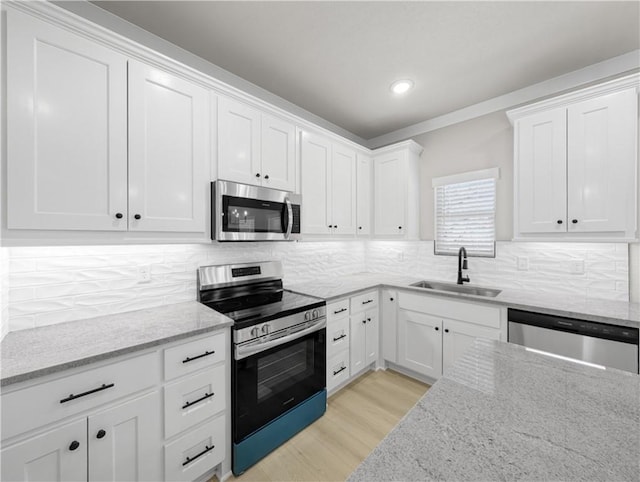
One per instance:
(74,445)
(368,319)
(390,299)
(267,176)
(359,227)
(399,227)
(118,215)
(574,221)
(331,225)
(559,221)
(257,174)
(335,226)
(364,321)
(137,216)
(437,328)
(101,433)
(446,330)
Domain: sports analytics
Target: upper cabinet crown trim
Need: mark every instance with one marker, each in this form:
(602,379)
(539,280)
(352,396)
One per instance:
(616,85)
(410,145)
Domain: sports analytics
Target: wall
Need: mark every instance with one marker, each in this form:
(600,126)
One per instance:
(56,284)
(605,266)
(4,292)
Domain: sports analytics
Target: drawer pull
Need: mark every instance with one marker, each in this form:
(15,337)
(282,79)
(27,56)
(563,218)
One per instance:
(338,371)
(206,353)
(206,449)
(99,389)
(339,311)
(206,395)
(367,302)
(344,335)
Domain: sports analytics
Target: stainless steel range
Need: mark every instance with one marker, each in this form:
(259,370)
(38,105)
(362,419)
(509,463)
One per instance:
(278,373)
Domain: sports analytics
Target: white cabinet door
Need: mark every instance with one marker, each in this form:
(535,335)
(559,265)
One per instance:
(541,173)
(364,200)
(458,338)
(315,175)
(389,327)
(390,194)
(343,190)
(238,142)
(420,343)
(278,154)
(601,163)
(66,130)
(168,146)
(57,455)
(372,337)
(125,442)
(358,356)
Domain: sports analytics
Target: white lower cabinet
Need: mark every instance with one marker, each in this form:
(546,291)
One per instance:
(337,369)
(457,337)
(420,343)
(105,422)
(364,339)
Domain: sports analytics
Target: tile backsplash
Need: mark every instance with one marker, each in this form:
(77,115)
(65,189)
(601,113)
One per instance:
(46,285)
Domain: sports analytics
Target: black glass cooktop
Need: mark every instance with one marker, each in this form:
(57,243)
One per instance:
(258,303)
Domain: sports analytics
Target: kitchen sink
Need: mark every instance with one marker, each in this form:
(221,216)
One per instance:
(456,288)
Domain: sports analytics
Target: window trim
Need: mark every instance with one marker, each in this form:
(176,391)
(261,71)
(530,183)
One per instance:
(482,174)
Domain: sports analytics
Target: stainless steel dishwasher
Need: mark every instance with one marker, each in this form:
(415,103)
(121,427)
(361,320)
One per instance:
(587,341)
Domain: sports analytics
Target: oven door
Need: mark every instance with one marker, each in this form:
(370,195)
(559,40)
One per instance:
(252,213)
(271,382)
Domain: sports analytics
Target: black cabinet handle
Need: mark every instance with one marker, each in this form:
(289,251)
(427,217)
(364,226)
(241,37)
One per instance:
(206,395)
(390,299)
(267,176)
(118,215)
(359,227)
(340,337)
(446,330)
(399,227)
(339,311)
(89,392)
(437,328)
(367,302)
(206,449)
(74,445)
(368,319)
(137,216)
(364,321)
(257,174)
(338,371)
(101,433)
(335,226)
(206,353)
(559,221)
(574,221)
(331,225)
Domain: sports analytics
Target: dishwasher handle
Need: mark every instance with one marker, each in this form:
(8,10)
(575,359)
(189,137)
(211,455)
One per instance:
(623,334)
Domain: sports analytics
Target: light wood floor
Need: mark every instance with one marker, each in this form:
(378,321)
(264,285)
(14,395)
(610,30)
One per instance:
(358,417)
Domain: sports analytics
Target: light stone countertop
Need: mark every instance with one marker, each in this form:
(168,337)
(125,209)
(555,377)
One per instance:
(502,413)
(605,311)
(32,353)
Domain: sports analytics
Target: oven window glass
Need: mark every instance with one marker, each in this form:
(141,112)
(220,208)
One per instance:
(242,215)
(279,371)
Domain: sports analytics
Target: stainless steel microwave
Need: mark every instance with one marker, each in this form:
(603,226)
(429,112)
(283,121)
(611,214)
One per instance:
(241,212)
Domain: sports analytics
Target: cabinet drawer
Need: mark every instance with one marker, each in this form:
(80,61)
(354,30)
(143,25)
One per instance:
(337,336)
(365,301)
(47,402)
(195,453)
(194,355)
(478,313)
(193,399)
(338,309)
(337,370)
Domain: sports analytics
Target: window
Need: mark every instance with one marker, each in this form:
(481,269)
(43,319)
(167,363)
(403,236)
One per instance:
(465,213)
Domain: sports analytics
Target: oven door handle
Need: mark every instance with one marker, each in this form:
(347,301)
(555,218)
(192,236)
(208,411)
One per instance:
(289,220)
(252,349)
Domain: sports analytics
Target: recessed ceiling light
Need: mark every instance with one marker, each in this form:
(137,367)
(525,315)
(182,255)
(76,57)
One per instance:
(401,86)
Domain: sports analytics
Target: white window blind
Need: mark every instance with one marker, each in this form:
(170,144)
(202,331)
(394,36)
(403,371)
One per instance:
(465,209)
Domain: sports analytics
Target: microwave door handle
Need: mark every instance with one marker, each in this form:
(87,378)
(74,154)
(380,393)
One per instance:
(289,218)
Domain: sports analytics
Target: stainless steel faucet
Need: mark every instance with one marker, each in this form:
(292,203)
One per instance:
(462,264)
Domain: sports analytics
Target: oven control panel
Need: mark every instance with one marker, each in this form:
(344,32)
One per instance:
(279,324)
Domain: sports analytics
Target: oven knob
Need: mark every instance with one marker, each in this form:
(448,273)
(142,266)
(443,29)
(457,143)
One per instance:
(255,332)
(315,314)
(265,329)
(307,316)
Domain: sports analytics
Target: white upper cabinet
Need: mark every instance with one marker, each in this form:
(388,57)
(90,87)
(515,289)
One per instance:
(168,143)
(397,193)
(328,174)
(576,165)
(66,130)
(364,202)
(255,148)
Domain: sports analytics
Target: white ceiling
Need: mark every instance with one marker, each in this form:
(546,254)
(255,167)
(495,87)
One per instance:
(338,59)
